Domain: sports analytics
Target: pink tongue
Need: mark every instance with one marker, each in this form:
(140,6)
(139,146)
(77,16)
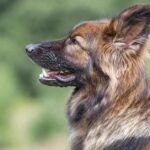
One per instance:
(65,78)
(51,73)
(56,75)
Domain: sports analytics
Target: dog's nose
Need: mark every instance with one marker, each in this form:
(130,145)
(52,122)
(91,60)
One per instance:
(31,48)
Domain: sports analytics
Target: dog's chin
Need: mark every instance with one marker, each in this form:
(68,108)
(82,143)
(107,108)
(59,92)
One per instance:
(57,78)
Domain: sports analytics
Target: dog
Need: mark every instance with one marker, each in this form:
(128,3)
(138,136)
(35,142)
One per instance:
(109,108)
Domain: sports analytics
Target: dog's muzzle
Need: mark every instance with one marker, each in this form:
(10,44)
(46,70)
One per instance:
(56,70)
(33,49)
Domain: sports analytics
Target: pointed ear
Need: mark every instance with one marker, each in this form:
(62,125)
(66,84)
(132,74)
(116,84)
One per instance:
(132,26)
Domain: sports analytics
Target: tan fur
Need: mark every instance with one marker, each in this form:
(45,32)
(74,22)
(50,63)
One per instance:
(126,98)
(109,108)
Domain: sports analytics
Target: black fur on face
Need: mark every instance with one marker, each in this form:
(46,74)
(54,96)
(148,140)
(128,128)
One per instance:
(50,56)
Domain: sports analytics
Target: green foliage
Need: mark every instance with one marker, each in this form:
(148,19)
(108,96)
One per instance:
(27,21)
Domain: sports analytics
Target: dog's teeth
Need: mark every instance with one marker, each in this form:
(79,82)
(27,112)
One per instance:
(41,76)
(61,71)
(46,70)
(44,73)
(66,71)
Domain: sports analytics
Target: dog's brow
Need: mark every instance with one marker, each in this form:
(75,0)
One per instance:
(74,35)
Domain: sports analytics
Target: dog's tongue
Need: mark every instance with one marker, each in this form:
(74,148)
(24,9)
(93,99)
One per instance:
(65,78)
(49,74)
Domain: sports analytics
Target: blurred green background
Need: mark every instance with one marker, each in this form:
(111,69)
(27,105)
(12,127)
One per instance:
(32,116)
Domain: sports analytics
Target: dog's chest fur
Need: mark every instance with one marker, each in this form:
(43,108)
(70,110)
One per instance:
(100,126)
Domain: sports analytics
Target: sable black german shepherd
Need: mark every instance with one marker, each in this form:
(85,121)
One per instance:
(110,106)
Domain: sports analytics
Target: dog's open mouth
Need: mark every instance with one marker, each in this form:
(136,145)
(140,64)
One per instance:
(60,76)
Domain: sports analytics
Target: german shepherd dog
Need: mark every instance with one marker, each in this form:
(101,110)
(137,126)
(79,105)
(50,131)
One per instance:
(104,60)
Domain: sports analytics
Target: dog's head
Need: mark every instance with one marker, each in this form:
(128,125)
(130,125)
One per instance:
(94,50)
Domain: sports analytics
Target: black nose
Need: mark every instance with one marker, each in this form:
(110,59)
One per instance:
(31,48)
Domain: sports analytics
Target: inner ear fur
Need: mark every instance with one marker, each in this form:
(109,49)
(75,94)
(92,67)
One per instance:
(132,24)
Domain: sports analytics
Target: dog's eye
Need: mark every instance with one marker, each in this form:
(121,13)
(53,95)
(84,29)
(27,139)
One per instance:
(73,41)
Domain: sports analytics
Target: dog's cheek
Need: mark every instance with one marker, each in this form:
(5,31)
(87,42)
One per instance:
(77,56)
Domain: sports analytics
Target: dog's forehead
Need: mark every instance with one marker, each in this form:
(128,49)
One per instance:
(89,26)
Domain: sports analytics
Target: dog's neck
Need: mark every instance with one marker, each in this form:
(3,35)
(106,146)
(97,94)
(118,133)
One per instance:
(105,92)
(131,86)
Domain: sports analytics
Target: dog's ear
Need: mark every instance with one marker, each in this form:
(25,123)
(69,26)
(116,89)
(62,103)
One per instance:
(131,27)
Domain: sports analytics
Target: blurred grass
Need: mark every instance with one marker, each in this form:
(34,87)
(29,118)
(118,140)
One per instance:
(32,116)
